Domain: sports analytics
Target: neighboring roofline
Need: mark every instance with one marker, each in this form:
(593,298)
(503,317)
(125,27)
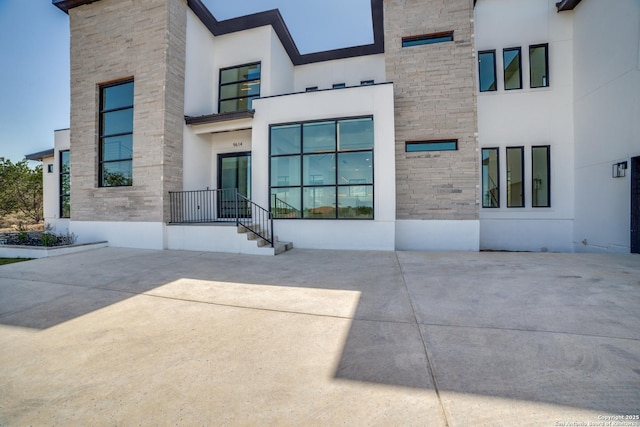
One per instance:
(567,5)
(274,18)
(40,155)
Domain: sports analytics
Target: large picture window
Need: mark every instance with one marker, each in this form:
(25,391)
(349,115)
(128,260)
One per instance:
(65,185)
(116,134)
(322,170)
(239,86)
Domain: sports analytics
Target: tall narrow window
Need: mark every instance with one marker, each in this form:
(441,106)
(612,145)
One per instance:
(239,86)
(65,185)
(487,70)
(512,69)
(539,65)
(116,134)
(490,178)
(515,177)
(540,174)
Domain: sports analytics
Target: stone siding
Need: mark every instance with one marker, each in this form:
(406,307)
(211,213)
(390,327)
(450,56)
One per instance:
(113,40)
(435,98)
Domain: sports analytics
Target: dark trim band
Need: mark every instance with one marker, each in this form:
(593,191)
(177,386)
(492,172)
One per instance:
(274,18)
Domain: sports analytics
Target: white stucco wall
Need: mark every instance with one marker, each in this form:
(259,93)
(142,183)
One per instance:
(606,47)
(340,103)
(350,71)
(51,184)
(528,117)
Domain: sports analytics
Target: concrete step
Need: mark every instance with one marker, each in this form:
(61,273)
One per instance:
(278,247)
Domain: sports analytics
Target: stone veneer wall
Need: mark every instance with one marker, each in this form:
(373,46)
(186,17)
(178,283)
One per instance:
(113,40)
(435,98)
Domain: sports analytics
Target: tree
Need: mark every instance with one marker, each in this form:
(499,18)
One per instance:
(21,189)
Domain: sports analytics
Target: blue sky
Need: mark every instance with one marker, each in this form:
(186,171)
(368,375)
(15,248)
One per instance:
(34,55)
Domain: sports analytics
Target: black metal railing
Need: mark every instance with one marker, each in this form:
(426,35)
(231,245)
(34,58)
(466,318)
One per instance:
(226,205)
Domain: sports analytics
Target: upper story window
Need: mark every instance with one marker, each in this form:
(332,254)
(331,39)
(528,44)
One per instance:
(239,86)
(65,185)
(487,70)
(116,134)
(512,68)
(539,65)
(339,85)
(446,36)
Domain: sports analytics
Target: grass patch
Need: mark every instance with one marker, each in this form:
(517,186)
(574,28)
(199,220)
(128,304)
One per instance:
(4,261)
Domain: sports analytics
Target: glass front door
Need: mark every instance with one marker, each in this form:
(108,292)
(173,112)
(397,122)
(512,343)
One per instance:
(234,173)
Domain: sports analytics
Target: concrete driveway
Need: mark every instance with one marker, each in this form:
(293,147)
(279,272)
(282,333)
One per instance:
(132,337)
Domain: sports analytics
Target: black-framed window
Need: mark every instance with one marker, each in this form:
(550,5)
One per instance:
(445,36)
(490,178)
(339,85)
(50,168)
(512,68)
(435,145)
(366,82)
(65,185)
(239,86)
(116,134)
(487,71)
(322,169)
(311,89)
(515,177)
(539,65)
(541,176)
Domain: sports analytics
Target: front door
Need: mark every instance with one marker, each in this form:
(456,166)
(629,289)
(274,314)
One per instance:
(635,205)
(234,173)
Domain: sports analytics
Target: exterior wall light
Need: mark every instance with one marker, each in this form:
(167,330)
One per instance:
(619,169)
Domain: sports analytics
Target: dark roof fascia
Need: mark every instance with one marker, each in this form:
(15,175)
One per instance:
(567,5)
(65,5)
(40,155)
(274,18)
(221,117)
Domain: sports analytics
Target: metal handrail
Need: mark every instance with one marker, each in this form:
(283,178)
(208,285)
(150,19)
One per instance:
(260,222)
(224,205)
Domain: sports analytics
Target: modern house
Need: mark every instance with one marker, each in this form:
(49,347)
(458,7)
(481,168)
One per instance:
(465,125)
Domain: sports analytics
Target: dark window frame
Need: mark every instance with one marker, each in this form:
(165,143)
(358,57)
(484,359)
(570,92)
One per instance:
(426,39)
(522,178)
(337,184)
(546,64)
(504,66)
(311,89)
(497,184)
(50,168)
(495,73)
(426,143)
(102,136)
(367,82)
(339,85)
(62,195)
(235,82)
(533,186)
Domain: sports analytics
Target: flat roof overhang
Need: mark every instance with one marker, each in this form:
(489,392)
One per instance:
(221,122)
(567,5)
(40,155)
